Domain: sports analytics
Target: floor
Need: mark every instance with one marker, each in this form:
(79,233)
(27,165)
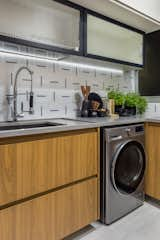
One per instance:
(142,224)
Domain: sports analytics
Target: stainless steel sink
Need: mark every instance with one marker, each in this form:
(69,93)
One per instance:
(17,126)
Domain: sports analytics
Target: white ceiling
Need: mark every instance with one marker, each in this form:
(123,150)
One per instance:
(116,11)
(148,7)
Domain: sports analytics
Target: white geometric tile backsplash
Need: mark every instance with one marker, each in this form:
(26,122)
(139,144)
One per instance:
(153,110)
(56,87)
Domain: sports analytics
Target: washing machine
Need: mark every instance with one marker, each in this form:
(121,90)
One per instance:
(123,165)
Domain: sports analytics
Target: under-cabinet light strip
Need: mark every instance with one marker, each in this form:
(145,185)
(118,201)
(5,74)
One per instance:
(92,67)
(57,60)
(26,56)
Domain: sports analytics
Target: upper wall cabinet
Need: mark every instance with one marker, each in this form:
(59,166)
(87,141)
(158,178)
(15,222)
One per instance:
(107,39)
(141,14)
(146,7)
(45,22)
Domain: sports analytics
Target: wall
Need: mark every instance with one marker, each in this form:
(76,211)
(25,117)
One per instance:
(56,87)
(153,109)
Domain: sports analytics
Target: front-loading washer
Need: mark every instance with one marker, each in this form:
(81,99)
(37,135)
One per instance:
(123,164)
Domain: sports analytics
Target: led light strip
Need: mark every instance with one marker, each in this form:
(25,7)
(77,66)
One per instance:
(92,67)
(28,56)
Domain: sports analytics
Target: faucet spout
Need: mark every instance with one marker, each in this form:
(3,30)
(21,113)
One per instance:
(15,93)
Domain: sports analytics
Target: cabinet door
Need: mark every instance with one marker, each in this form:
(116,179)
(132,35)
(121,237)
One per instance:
(113,42)
(31,166)
(53,216)
(152,178)
(44,22)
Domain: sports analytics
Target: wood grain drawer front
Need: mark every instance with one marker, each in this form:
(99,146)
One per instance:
(52,216)
(31,167)
(152,178)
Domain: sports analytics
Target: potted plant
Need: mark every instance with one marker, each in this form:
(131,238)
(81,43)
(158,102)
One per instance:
(134,103)
(141,104)
(119,99)
(130,103)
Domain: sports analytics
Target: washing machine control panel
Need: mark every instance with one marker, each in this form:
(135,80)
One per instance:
(116,134)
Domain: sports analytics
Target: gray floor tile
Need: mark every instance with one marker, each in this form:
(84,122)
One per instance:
(142,224)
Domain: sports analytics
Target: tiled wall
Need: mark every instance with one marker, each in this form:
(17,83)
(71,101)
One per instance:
(153,109)
(56,87)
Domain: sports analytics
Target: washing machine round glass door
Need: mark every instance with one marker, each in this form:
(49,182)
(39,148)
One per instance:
(128,167)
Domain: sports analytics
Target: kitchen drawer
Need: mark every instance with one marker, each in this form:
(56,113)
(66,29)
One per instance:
(52,216)
(31,165)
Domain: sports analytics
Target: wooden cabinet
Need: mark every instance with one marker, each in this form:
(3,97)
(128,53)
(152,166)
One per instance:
(107,39)
(152,178)
(32,165)
(49,184)
(52,216)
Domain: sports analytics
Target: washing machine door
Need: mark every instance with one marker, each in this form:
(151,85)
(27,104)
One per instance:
(128,167)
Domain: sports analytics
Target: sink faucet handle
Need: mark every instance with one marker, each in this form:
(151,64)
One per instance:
(31,99)
(22,107)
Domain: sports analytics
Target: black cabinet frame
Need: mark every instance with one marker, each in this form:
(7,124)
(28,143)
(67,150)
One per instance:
(82,36)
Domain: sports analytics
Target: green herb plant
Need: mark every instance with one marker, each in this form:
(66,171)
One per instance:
(141,104)
(119,97)
(130,100)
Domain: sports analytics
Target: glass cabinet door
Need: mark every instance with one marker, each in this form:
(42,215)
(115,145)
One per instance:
(46,22)
(109,40)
